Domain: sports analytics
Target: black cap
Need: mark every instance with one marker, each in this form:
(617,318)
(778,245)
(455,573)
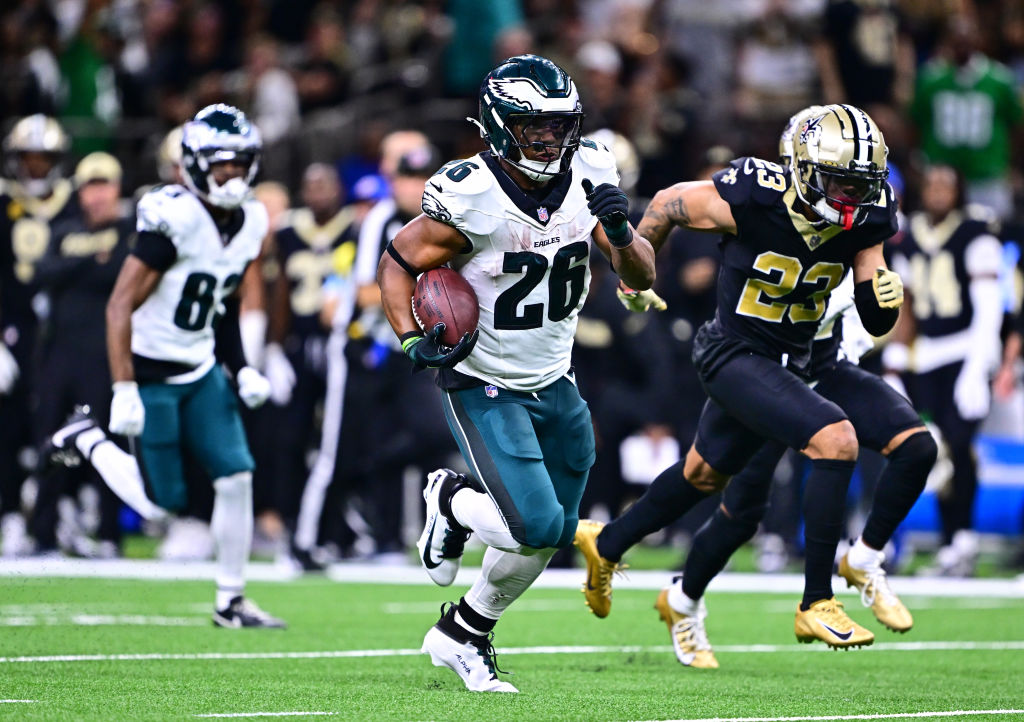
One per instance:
(422,162)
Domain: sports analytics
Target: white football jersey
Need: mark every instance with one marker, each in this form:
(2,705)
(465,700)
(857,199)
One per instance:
(176,323)
(526,261)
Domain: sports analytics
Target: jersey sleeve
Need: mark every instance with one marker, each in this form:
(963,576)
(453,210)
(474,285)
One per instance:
(598,162)
(159,212)
(750,182)
(882,221)
(984,257)
(453,196)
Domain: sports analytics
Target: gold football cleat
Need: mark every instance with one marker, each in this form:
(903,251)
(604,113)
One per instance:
(597,589)
(876,593)
(689,638)
(826,620)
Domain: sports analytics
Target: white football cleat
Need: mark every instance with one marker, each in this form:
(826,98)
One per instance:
(471,656)
(442,542)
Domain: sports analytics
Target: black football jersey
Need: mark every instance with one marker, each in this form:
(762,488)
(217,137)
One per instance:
(25,229)
(308,254)
(933,263)
(778,269)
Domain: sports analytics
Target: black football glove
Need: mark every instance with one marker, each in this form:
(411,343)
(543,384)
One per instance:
(427,352)
(610,204)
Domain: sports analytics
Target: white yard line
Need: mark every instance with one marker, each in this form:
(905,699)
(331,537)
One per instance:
(894,715)
(17,701)
(550,579)
(268,714)
(590,649)
(100,620)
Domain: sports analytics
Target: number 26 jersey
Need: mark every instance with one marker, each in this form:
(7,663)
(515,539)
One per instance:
(778,269)
(178,320)
(527,259)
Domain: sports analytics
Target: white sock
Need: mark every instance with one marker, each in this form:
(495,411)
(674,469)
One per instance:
(504,576)
(478,512)
(682,603)
(231,525)
(224,597)
(120,471)
(862,556)
(88,439)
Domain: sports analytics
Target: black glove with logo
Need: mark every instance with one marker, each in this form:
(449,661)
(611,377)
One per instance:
(610,204)
(427,351)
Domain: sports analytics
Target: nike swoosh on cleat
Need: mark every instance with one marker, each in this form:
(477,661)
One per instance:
(427,561)
(841,635)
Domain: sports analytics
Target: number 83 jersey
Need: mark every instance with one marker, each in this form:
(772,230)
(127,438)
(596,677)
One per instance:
(527,259)
(778,269)
(177,321)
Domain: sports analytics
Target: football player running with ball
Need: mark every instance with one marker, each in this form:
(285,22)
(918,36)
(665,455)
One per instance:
(173,306)
(791,235)
(517,222)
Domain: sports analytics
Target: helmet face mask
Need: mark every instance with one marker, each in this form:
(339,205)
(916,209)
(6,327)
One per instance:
(34,153)
(839,164)
(220,134)
(530,116)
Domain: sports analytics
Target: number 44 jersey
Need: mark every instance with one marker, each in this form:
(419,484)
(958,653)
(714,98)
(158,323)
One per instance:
(177,322)
(526,257)
(779,269)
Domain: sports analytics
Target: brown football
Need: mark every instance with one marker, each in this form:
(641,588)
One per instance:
(442,295)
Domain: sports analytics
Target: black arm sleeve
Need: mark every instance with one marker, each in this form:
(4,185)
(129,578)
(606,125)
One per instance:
(155,250)
(228,342)
(877,321)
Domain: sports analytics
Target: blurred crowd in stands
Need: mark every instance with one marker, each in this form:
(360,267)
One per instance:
(359,102)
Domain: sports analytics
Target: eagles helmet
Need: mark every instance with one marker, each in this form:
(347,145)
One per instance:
(528,102)
(217,134)
(794,123)
(838,165)
(36,134)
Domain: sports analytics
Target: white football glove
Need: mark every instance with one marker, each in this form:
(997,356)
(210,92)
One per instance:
(640,301)
(279,372)
(9,370)
(972,393)
(253,387)
(127,414)
(888,287)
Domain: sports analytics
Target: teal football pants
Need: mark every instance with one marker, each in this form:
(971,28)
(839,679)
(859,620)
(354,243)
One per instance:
(531,452)
(201,417)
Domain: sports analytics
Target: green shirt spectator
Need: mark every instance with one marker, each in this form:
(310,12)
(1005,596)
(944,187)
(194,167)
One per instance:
(965,108)
(965,116)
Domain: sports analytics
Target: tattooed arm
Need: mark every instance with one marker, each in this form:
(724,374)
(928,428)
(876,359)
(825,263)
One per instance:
(694,204)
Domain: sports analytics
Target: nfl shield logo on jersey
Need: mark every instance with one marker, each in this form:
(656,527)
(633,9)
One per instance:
(491,391)
(542,213)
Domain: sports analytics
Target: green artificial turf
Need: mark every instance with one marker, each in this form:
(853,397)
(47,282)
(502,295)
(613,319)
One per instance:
(52,616)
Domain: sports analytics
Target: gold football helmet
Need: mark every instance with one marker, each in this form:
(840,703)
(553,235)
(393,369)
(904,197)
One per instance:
(786,139)
(168,156)
(838,165)
(43,137)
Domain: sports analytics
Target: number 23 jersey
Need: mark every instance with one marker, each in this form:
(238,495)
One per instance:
(178,320)
(526,258)
(778,270)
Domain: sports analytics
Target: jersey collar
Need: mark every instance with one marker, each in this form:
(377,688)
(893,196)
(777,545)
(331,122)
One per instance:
(813,237)
(539,211)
